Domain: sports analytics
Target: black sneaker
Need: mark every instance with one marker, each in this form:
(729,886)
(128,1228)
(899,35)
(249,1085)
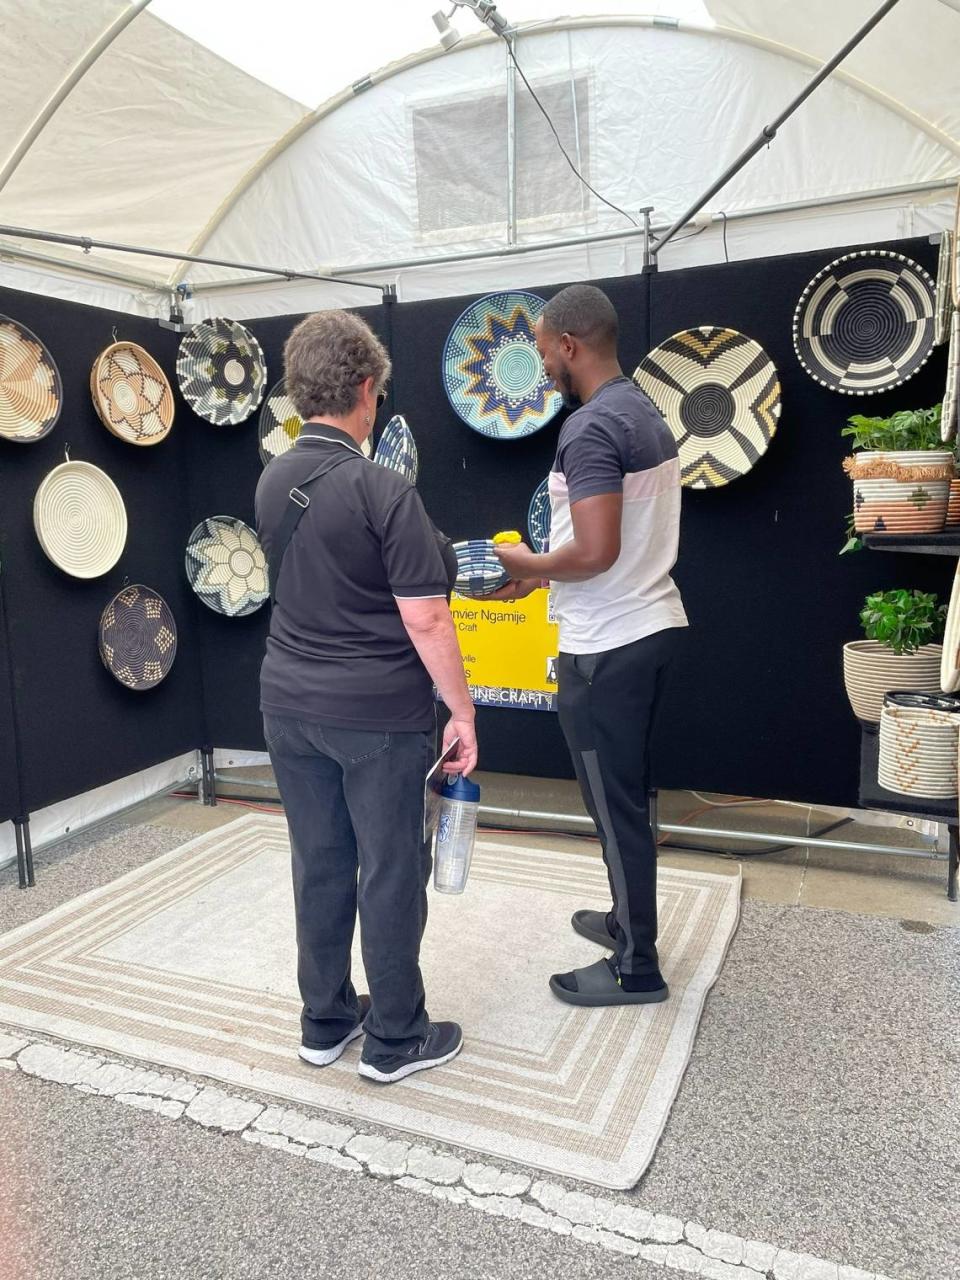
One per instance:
(443,1041)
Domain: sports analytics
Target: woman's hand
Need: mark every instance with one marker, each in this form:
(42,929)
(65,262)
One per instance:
(465,759)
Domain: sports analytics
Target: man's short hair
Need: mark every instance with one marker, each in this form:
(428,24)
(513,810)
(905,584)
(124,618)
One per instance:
(326,358)
(586,313)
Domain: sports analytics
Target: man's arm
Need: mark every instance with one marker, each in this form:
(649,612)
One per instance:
(592,550)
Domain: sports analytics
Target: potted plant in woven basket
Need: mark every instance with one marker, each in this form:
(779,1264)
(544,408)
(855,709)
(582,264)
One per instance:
(901,472)
(902,650)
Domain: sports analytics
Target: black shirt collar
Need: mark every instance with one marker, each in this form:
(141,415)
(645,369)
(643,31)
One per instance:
(313,432)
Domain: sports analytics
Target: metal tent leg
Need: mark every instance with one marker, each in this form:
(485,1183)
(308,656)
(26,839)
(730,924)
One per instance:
(21,828)
(208,781)
(953,865)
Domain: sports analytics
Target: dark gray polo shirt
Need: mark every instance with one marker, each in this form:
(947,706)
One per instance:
(338,652)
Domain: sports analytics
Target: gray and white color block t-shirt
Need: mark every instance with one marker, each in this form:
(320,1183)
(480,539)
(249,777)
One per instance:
(618,443)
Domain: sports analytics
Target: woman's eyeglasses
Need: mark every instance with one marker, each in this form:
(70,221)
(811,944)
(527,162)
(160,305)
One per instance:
(381,398)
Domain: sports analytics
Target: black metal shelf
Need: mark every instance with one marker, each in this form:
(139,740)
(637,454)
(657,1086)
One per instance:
(931,544)
(873,796)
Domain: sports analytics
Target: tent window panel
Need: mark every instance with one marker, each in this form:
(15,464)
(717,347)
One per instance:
(460,148)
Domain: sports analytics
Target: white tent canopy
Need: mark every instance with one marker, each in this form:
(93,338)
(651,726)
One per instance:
(263,135)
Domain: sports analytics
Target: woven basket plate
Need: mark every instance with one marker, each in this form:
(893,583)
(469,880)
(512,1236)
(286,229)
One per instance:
(950,656)
(138,637)
(865,323)
(397,449)
(720,395)
(131,394)
(492,371)
(280,424)
(226,566)
(478,570)
(31,393)
(80,519)
(221,371)
(538,517)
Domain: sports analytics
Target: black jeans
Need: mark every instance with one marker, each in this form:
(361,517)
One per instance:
(607,703)
(354,806)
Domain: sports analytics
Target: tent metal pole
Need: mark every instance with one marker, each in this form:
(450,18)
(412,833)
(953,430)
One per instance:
(510,42)
(86,243)
(769,132)
(66,86)
(544,246)
(579,822)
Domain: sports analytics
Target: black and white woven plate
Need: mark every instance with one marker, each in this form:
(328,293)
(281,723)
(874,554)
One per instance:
(226,566)
(720,396)
(138,637)
(221,371)
(866,322)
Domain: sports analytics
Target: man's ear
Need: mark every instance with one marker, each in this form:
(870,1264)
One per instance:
(568,345)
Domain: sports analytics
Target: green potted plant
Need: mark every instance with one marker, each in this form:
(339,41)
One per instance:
(901,472)
(904,631)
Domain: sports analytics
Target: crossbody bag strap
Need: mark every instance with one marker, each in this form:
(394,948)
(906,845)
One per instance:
(297,504)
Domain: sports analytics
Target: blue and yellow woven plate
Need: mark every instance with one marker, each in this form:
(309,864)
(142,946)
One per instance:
(492,371)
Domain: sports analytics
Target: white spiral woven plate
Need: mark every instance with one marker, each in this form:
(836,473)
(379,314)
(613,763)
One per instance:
(80,519)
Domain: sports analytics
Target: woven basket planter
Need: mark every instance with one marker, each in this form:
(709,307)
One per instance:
(918,752)
(900,492)
(871,669)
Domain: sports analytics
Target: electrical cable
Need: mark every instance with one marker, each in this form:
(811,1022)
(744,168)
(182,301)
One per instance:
(726,255)
(563,150)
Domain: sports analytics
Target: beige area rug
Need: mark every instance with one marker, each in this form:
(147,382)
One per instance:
(189,962)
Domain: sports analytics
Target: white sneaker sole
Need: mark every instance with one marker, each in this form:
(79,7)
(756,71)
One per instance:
(323,1057)
(388,1077)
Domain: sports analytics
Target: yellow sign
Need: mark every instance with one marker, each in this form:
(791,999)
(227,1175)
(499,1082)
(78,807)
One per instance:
(509,650)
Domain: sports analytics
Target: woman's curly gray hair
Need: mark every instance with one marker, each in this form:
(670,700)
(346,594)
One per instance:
(325,360)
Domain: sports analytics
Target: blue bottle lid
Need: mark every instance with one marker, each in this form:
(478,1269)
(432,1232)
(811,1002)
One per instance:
(461,788)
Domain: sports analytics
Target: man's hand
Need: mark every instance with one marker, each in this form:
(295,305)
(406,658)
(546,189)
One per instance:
(514,590)
(518,560)
(465,760)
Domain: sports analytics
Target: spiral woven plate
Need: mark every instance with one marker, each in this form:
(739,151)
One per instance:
(31,393)
(80,519)
(226,566)
(131,394)
(397,449)
(138,637)
(720,396)
(478,570)
(538,517)
(492,371)
(221,371)
(865,323)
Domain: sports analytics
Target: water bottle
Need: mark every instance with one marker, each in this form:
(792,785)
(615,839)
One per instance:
(456,832)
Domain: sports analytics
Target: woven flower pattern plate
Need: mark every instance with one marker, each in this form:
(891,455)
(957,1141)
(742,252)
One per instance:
(492,371)
(131,394)
(138,637)
(221,371)
(31,393)
(226,566)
